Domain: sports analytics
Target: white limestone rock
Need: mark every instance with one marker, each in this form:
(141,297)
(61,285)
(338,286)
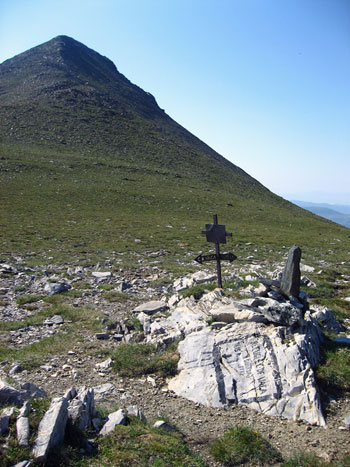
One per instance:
(105,365)
(5,419)
(81,409)
(236,312)
(53,288)
(183,283)
(151,308)
(101,275)
(52,427)
(22,428)
(201,277)
(267,368)
(306,268)
(326,319)
(116,418)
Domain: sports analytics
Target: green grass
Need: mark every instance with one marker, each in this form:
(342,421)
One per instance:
(141,445)
(334,373)
(70,208)
(241,444)
(79,320)
(24,299)
(142,359)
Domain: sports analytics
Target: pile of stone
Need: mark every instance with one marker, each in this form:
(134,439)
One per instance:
(259,352)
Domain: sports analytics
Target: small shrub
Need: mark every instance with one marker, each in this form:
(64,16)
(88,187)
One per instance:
(241,444)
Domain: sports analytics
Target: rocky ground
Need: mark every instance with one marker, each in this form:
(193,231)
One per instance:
(80,365)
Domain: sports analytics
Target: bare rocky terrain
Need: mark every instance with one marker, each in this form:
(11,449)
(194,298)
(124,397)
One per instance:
(80,364)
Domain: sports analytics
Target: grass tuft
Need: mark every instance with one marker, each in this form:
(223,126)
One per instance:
(241,444)
(142,359)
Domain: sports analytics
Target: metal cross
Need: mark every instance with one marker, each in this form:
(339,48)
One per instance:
(217,234)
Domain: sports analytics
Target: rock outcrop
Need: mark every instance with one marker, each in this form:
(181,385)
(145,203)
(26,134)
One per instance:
(258,352)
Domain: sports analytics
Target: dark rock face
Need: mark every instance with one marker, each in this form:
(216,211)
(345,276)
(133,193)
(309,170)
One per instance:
(290,283)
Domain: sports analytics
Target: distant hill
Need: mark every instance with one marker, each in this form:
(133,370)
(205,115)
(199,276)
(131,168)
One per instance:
(90,163)
(334,212)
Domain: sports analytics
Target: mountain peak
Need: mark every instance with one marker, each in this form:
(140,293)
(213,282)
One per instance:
(63,66)
(64,92)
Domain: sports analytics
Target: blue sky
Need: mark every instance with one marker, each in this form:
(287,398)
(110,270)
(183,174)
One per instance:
(266,83)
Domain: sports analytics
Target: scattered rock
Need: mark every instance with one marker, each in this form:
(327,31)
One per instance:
(326,319)
(151,308)
(5,419)
(161,424)
(101,275)
(10,395)
(81,409)
(53,288)
(56,319)
(134,411)
(22,428)
(105,365)
(116,418)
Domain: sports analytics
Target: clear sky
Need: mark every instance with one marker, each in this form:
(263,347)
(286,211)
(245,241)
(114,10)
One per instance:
(266,83)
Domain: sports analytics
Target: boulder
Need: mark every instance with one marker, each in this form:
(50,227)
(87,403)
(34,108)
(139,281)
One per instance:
(162,425)
(10,395)
(116,418)
(5,419)
(52,428)
(236,312)
(284,314)
(326,319)
(32,391)
(22,428)
(200,277)
(183,283)
(267,368)
(81,409)
(56,319)
(151,308)
(101,275)
(56,287)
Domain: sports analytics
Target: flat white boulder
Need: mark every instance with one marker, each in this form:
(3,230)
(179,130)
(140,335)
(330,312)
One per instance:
(101,275)
(266,368)
(116,418)
(152,307)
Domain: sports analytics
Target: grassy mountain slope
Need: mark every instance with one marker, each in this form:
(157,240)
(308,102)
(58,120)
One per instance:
(90,163)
